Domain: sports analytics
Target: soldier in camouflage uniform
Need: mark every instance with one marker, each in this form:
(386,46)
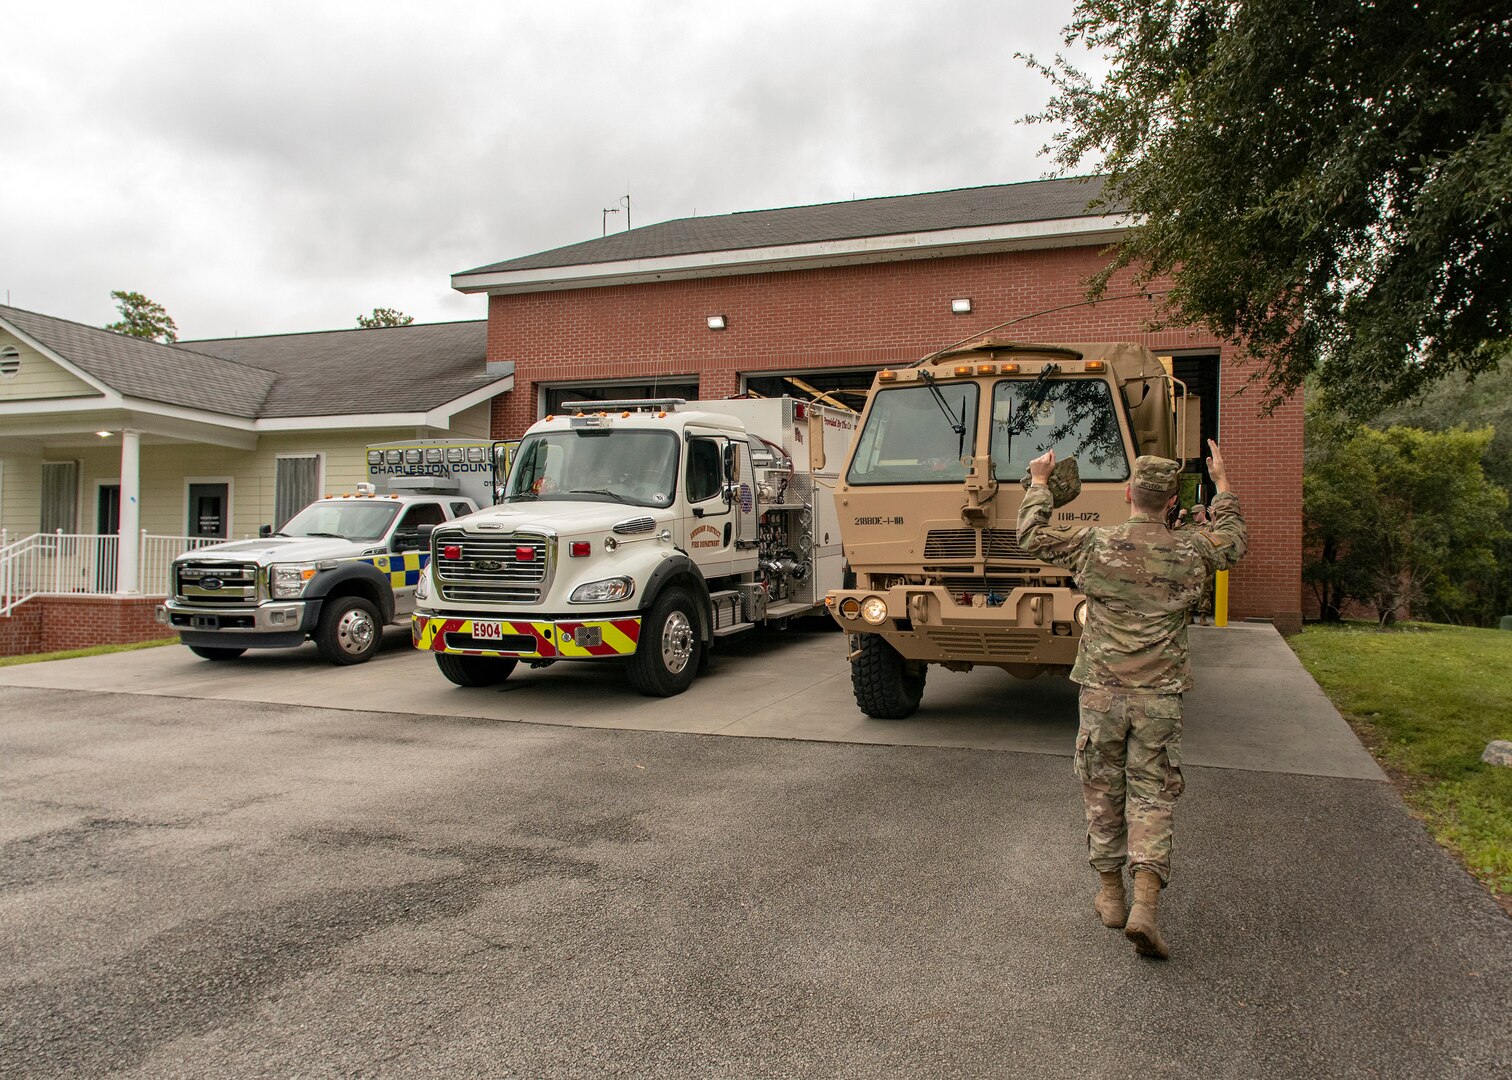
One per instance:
(1141,579)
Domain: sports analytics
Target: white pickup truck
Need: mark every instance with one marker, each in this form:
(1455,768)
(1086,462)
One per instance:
(336,573)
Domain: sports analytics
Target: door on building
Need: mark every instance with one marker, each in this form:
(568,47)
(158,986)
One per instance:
(207,510)
(108,525)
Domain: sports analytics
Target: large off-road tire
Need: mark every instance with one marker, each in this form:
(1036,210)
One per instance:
(669,652)
(215,652)
(475,670)
(887,686)
(350,630)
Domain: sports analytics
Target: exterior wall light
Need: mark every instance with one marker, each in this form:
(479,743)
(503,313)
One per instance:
(103,434)
(716,322)
(961,306)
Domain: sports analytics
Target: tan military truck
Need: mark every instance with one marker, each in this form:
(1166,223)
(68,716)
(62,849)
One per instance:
(928,501)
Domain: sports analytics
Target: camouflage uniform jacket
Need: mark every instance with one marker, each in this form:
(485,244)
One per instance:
(1141,580)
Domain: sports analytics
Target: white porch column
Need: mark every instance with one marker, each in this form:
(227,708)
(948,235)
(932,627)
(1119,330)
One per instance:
(127,549)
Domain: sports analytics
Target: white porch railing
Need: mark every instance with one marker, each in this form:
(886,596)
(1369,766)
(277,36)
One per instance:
(83,564)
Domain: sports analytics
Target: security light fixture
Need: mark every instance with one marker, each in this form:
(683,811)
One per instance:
(716,322)
(961,306)
(103,434)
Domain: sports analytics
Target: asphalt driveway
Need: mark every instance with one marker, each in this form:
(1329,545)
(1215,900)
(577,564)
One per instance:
(529,881)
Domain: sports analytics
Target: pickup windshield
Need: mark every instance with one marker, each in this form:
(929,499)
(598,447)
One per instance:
(911,436)
(596,465)
(1073,417)
(366,519)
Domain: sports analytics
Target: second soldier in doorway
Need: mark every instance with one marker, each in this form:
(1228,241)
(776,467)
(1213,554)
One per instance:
(1141,579)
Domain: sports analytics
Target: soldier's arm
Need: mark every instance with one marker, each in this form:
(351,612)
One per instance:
(1057,546)
(1226,536)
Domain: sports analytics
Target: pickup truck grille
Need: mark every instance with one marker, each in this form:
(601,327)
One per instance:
(215,584)
(490,568)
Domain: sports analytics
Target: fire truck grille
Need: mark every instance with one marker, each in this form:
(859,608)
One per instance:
(1003,544)
(507,569)
(985,644)
(950,544)
(215,584)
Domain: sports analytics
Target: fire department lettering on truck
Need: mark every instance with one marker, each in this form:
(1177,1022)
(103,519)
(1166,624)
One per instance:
(528,639)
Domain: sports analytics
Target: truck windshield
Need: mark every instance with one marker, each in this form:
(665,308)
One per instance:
(367,519)
(910,439)
(1073,417)
(597,465)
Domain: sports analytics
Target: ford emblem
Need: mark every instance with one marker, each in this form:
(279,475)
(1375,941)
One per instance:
(211,583)
(487,564)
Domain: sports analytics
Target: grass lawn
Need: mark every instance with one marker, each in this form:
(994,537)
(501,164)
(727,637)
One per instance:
(31,658)
(1426,699)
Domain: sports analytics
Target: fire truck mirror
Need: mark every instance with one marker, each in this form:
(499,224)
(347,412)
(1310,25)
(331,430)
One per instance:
(732,463)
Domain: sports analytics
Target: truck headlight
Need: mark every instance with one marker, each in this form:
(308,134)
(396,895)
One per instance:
(422,587)
(1080,613)
(874,610)
(601,592)
(288,580)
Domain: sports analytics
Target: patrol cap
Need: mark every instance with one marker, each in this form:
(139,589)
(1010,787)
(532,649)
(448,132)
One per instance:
(1064,482)
(1156,474)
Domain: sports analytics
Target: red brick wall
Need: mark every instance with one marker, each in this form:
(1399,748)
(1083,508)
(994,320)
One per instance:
(55,623)
(889,313)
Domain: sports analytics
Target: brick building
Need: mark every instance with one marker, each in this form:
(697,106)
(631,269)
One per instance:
(812,300)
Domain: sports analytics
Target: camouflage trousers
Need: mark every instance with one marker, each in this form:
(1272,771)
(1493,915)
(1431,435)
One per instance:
(1128,758)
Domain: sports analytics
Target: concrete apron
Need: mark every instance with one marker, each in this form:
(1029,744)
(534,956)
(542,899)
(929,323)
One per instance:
(1254,706)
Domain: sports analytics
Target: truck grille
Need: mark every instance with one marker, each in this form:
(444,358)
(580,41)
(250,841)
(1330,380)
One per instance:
(215,584)
(950,544)
(1003,544)
(490,568)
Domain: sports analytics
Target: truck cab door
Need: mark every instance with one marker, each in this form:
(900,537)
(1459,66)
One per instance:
(711,525)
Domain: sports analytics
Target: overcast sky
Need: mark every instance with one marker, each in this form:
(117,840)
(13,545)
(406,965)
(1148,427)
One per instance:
(277,167)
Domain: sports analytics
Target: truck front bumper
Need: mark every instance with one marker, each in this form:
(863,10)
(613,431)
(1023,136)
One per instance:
(267,626)
(530,639)
(1035,626)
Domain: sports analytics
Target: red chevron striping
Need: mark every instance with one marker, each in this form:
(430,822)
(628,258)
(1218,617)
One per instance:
(438,643)
(629,627)
(544,646)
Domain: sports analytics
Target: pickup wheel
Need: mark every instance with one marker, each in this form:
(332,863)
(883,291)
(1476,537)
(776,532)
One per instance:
(669,653)
(475,670)
(214,652)
(887,687)
(350,630)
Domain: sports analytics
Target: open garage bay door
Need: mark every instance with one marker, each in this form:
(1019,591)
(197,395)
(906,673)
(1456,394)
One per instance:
(843,388)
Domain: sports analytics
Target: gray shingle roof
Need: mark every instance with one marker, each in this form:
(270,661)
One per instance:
(1001,204)
(385,369)
(136,367)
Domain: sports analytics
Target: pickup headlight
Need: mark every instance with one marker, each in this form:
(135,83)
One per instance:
(288,580)
(601,592)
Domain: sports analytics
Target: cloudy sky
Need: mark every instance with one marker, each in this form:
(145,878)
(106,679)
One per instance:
(273,167)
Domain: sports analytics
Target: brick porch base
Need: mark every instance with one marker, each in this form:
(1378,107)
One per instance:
(54,623)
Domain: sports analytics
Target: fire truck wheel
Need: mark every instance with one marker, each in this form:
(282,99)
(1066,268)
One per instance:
(475,670)
(211,652)
(887,687)
(350,630)
(669,652)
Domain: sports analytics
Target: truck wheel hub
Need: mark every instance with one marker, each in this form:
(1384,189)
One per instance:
(355,631)
(677,642)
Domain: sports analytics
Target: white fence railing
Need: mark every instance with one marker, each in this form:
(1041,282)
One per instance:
(74,564)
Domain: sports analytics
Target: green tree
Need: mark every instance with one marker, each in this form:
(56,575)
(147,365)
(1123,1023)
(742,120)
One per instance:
(143,318)
(1401,517)
(385,316)
(1328,182)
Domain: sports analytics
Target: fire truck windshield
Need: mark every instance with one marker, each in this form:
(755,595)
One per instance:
(1073,417)
(596,465)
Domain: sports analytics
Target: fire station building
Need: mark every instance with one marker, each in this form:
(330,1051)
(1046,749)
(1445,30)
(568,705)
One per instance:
(812,300)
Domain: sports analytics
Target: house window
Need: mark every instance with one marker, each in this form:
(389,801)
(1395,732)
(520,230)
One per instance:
(10,362)
(60,496)
(296,484)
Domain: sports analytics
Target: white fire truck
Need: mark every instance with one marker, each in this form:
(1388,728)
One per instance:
(642,532)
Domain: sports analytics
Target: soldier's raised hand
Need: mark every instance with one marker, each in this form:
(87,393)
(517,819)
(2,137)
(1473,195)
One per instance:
(1040,468)
(1216,467)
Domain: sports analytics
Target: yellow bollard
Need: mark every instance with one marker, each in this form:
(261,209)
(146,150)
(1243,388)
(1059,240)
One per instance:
(1220,598)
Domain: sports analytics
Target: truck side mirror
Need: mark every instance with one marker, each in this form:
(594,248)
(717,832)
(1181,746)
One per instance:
(732,463)
(265,530)
(423,533)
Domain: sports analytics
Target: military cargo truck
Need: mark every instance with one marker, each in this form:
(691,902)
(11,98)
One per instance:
(928,500)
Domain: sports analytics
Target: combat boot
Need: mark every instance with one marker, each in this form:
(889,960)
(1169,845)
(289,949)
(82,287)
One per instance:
(1112,903)
(1142,929)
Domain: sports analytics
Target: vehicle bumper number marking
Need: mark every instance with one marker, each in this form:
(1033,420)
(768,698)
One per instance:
(597,637)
